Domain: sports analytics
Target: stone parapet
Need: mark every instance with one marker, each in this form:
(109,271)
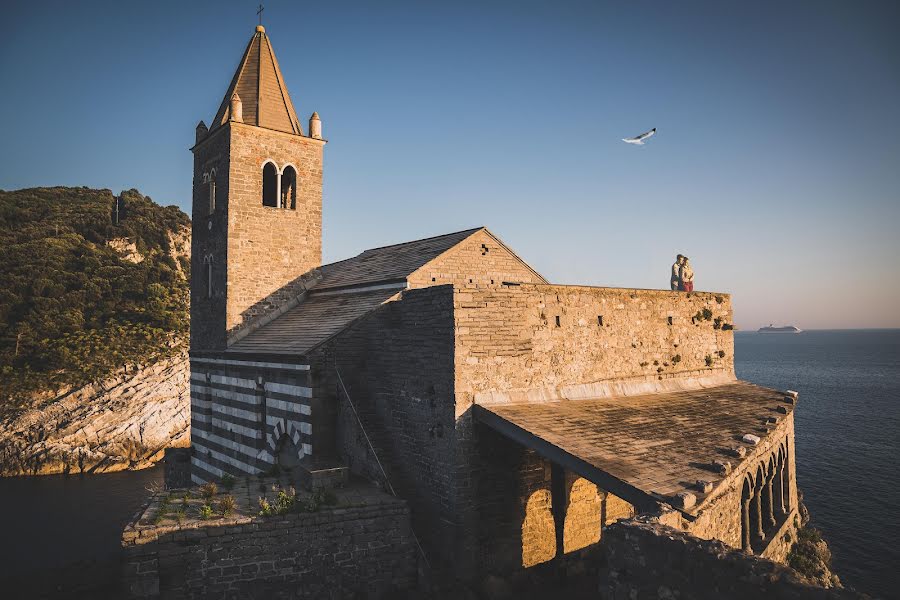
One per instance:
(361,546)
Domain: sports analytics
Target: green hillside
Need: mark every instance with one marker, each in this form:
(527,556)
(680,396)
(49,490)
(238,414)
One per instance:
(74,308)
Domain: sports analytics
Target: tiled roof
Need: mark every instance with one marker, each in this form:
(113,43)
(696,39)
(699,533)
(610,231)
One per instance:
(660,444)
(389,263)
(311,322)
(260,86)
(325,311)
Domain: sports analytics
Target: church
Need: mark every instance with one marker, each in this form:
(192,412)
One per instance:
(517,418)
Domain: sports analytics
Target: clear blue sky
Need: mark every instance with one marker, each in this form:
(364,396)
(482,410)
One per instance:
(776,167)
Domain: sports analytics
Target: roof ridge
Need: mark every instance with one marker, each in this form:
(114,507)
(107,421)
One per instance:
(434,237)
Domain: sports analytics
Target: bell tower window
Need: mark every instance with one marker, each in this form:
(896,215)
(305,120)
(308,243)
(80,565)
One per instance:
(212,192)
(289,188)
(270,185)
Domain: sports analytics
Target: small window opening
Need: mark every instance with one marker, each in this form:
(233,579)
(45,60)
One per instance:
(600,320)
(557,320)
(433,279)
(212,195)
(669,319)
(289,188)
(270,185)
(484,249)
(470,281)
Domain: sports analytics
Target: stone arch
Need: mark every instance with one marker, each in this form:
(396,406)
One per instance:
(284,445)
(208,274)
(270,184)
(581,526)
(746,513)
(287,196)
(538,529)
(786,476)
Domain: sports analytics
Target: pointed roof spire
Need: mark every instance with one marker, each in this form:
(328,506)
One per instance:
(259,84)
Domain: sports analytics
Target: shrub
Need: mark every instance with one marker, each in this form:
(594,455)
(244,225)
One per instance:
(227,481)
(227,505)
(721,354)
(206,512)
(676,359)
(709,360)
(265,509)
(707,314)
(209,490)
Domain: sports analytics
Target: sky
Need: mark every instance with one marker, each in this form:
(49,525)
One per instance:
(776,166)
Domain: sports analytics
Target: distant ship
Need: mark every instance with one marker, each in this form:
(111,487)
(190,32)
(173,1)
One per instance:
(785,329)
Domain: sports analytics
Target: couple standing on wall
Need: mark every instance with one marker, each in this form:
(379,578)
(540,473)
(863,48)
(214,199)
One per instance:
(682,275)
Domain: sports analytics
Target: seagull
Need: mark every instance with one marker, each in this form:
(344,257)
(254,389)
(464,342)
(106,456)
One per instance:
(639,140)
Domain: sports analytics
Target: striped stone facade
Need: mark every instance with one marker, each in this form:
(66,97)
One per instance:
(244,412)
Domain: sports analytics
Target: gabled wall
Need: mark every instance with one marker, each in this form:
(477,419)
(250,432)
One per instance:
(479,260)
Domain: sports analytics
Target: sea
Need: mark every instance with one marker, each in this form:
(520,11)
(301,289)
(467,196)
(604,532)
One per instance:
(847,429)
(59,535)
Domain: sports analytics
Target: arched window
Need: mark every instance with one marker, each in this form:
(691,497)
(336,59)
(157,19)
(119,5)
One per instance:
(270,185)
(207,266)
(289,188)
(212,191)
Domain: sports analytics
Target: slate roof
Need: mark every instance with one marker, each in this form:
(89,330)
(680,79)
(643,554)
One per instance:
(261,88)
(659,444)
(389,263)
(326,311)
(311,322)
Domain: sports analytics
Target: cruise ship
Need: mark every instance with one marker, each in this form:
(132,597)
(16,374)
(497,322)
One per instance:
(785,329)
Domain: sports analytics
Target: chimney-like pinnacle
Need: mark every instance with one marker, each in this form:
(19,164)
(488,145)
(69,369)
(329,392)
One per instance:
(202,130)
(260,29)
(315,126)
(237,108)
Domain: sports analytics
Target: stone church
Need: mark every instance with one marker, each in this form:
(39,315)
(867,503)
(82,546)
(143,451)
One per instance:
(516,417)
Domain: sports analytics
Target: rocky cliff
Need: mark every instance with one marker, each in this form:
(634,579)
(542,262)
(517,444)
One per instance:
(93,330)
(124,422)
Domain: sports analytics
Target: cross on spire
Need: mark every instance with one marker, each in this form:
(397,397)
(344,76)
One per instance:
(259,12)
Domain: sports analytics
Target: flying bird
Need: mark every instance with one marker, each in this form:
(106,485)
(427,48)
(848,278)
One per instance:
(639,139)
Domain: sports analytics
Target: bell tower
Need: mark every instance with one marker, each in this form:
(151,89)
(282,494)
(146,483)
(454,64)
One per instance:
(257,199)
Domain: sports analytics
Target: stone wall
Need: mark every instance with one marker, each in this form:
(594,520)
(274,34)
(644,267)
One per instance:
(352,552)
(269,247)
(645,559)
(246,412)
(255,250)
(397,366)
(480,260)
(528,512)
(541,342)
(208,241)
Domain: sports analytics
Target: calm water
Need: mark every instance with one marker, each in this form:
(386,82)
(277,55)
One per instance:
(66,529)
(59,535)
(848,440)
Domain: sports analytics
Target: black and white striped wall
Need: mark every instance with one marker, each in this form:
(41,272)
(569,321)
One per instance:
(241,411)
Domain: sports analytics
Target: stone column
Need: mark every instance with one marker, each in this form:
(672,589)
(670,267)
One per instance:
(767,490)
(745,525)
(757,508)
(779,490)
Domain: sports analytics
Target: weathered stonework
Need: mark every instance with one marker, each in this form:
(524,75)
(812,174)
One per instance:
(360,547)
(647,559)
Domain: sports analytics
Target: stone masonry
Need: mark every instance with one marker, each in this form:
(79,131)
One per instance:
(360,547)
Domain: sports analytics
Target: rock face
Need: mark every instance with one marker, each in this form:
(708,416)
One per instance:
(124,422)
